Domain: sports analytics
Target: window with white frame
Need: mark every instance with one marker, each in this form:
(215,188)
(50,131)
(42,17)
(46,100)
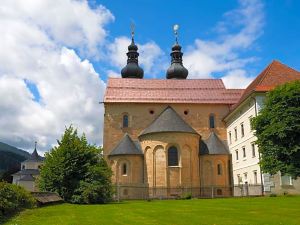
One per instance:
(286,180)
(255,177)
(242,130)
(245,177)
(244,152)
(253,150)
(235,133)
(236,155)
(250,118)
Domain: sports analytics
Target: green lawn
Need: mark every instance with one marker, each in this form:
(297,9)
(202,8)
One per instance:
(260,210)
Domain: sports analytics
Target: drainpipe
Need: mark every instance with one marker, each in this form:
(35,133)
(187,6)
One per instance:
(261,177)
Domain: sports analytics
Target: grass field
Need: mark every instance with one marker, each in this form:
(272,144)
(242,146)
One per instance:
(260,210)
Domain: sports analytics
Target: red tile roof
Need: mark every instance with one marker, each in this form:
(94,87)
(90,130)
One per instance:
(273,75)
(210,91)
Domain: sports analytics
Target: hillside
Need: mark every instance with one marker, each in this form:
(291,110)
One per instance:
(10,159)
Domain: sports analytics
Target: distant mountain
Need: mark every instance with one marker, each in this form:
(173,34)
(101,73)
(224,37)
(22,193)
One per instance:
(10,160)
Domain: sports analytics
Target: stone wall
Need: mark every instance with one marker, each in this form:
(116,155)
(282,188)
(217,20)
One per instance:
(140,117)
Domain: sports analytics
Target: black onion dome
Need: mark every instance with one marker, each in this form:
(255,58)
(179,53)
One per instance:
(177,70)
(132,69)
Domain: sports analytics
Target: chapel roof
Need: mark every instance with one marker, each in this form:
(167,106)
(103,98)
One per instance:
(126,147)
(28,172)
(34,157)
(27,177)
(276,73)
(206,91)
(168,121)
(213,146)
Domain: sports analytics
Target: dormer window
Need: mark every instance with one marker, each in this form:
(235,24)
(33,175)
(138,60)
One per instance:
(125,121)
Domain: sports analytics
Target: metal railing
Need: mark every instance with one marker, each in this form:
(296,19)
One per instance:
(126,192)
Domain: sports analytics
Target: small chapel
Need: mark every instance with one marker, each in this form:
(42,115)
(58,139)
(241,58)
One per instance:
(167,135)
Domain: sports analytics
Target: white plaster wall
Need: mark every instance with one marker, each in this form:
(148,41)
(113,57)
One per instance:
(247,164)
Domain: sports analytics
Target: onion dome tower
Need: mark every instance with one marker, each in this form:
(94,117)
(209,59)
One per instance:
(176,70)
(132,69)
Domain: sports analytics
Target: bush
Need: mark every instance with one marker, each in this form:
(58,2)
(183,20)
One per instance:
(273,195)
(186,196)
(14,198)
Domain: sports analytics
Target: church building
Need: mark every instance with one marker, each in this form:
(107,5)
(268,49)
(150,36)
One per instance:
(167,135)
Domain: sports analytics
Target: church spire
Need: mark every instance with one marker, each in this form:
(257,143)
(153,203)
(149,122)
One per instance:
(176,70)
(132,69)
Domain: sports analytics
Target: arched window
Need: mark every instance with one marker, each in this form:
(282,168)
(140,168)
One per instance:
(124,169)
(211,121)
(125,121)
(219,169)
(172,156)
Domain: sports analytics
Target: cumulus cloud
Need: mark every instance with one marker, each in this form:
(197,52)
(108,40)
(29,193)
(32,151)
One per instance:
(151,55)
(237,32)
(237,79)
(39,46)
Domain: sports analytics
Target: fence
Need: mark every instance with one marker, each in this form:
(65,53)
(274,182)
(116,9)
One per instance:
(125,192)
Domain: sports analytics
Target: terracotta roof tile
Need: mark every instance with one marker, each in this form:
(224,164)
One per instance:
(273,75)
(170,91)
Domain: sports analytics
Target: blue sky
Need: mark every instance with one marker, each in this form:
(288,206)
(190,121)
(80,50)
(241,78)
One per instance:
(55,59)
(198,19)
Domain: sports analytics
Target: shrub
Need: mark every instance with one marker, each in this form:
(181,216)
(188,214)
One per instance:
(14,198)
(273,195)
(186,196)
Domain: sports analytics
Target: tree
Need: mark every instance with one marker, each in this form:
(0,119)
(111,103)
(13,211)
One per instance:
(76,171)
(278,130)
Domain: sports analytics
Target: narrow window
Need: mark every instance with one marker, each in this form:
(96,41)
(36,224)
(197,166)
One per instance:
(250,118)
(245,176)
(253,150)
(236,155)
(23,167)
(219,169)
(124,169)
(239,178)
(229,134)
(125,121)
(172,156)
(244,152)
(255,176)
(235,133)
(242,130)
(211,121)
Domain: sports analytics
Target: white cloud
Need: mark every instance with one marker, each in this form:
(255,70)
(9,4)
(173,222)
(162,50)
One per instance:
(151,55)
(223,55)
(36,46)
(237,79)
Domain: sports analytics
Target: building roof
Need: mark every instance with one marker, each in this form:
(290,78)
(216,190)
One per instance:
(27,178)
(273,75)
(28,172)
(34,157)
(168,121)
(206,91)
(126,147)
(213,146)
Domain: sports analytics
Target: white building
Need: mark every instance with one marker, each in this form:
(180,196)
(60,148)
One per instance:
(241,138)
(30,170)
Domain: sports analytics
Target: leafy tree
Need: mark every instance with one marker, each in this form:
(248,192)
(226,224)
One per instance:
(76,170)
(14,198)
(278,130)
